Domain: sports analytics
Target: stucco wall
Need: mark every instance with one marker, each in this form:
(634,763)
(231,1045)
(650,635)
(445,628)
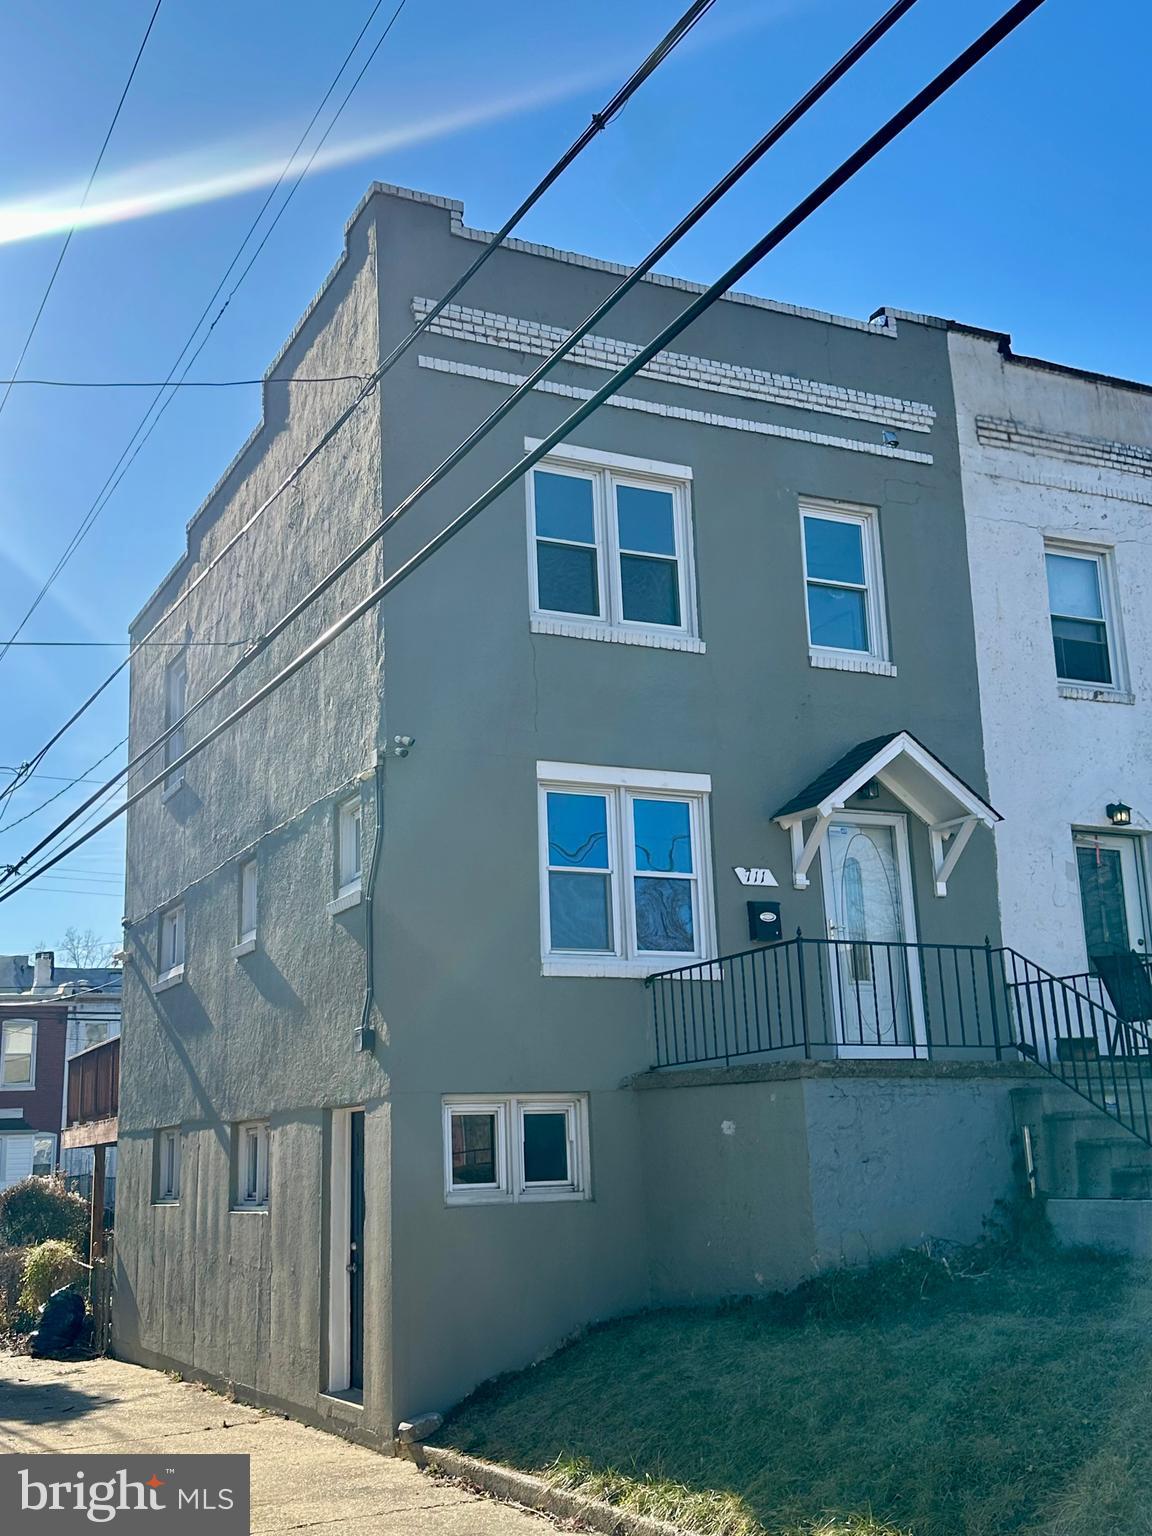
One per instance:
(240,1295)
(1054,763)
(758,1177)
(458,923)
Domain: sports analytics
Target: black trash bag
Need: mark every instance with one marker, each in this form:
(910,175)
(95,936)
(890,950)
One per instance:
(60,1324)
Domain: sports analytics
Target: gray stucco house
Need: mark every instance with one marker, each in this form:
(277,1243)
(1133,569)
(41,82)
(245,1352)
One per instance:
(400,1104)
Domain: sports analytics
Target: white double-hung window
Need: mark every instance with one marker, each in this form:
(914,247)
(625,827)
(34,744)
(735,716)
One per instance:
(843,586)
(611,549)
(1085,637)
(625,870)
(18,1053)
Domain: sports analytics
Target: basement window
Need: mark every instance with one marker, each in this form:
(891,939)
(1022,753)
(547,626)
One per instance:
(252,1159)
(167,1166)
(516,1149)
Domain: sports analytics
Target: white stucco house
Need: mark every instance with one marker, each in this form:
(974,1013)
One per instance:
(1057,477)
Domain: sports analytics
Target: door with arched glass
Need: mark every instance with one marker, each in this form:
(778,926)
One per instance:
(874,973)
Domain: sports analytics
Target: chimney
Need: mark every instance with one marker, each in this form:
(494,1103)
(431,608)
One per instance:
(45,967)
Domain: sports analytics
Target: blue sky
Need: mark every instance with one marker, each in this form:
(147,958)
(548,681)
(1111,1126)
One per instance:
(1019,203)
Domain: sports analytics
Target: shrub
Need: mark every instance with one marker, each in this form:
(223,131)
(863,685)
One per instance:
(39,1210)
(11,1279)
(47,1267)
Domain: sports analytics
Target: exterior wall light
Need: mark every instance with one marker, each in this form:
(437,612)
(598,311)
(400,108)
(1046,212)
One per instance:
(1120,815)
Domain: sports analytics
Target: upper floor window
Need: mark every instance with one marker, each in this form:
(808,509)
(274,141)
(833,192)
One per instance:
(348,852)
(1081,623)
(842,578)
(171,965)
(611,546)
(247,923)
(18,1053)
(625,869)
(175,705)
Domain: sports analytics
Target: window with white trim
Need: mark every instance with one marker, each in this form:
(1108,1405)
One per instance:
(625,869)
(18,1053)
(248,898)
(611,544)
(843,587)
(167,1164)
(175,706)
(516,1149)
(348,847)
(252,1165)
(1083,633)
(171,943)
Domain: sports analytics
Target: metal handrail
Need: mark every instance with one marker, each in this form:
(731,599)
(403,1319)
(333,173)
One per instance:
(823,997)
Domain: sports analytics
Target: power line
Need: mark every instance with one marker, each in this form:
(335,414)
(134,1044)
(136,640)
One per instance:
(81,778)
(332,378)
(128,456)
(597,124)
(741,168)
(72,230)
(116,645)
(803,210)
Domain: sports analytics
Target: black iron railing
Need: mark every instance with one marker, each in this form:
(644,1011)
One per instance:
(828,998)
(822,997)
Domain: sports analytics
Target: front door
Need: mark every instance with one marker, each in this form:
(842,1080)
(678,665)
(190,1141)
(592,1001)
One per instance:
(1111,894)
(875,976)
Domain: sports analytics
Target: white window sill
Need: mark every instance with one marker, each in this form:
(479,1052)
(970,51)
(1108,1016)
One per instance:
(250,1210)
(16,1088)
(851,661)
(525,1197)
(579,629)
(171,978)
(639,969)
(245,947)
(345,900)
(171,789)
(1095,695)
(167,1200)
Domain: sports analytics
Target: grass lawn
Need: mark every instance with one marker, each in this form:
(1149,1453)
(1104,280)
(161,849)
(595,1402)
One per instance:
(974,1398)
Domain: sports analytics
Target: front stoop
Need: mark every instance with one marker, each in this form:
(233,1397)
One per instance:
(1097,1176)
(1118,1226)
(534,1493)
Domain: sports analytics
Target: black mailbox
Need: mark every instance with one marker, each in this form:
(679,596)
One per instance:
(764,925)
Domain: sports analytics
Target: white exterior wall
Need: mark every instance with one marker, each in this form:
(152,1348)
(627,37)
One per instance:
(1054,762)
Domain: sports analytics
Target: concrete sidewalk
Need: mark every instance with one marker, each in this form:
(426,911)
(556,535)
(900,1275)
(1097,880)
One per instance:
(302,1479)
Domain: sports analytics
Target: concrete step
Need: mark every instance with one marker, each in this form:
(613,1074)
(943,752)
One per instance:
(1132,1182)
(1119,1226)
(1096,1159)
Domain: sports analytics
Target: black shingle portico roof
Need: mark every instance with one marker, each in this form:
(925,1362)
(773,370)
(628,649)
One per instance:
(841,771)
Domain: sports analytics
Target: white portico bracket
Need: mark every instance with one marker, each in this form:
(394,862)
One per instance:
(805,850)
(945,854)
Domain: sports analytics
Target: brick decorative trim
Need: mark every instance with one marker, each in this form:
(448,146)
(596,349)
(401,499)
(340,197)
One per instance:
(1128,458)
(486,328)
(679,412)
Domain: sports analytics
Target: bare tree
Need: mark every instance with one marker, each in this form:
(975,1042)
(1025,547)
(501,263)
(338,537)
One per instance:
(85,949)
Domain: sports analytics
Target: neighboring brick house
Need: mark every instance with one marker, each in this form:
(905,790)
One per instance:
(57,1012)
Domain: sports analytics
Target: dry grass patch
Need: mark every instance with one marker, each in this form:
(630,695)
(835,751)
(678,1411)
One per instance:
(979,1396)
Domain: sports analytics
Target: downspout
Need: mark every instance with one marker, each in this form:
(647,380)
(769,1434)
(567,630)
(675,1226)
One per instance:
(366,1034)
